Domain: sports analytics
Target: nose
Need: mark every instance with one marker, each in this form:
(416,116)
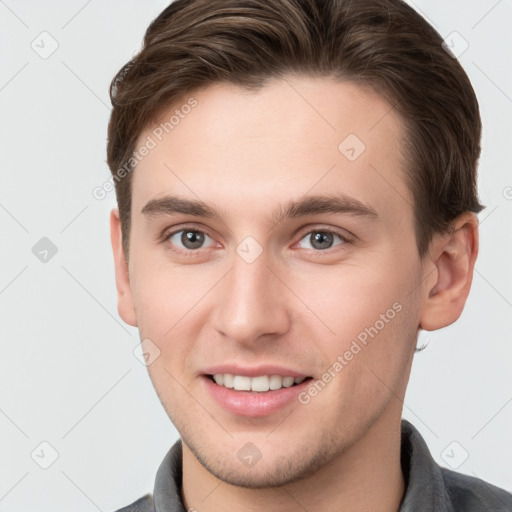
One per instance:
(252,302)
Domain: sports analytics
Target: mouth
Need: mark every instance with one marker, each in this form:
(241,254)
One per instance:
(257,384)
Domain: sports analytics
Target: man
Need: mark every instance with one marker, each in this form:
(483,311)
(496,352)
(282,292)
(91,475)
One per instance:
(296,183)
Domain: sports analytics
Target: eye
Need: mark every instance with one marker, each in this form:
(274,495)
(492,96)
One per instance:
(189,238)
(323,239)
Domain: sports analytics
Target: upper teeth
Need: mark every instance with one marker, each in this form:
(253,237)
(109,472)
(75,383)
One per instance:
(261,383)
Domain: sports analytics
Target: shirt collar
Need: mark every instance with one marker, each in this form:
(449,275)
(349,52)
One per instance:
(424,484)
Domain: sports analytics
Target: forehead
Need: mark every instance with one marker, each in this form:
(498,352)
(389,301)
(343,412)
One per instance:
(248,149)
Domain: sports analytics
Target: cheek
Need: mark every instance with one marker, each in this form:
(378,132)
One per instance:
(368,325)
(349,298)
(165,296)
(170,304)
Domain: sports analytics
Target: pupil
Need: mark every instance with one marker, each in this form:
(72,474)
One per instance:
(192,239)
(321,240)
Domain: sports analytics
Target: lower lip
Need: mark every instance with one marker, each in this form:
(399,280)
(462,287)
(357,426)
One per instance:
(253,404)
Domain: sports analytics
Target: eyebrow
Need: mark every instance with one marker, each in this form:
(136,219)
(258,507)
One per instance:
(309,205)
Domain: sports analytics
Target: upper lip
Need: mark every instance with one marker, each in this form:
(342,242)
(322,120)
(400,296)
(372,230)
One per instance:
(253,371)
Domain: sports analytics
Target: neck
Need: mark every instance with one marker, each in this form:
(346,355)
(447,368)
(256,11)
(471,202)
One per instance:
(366,476)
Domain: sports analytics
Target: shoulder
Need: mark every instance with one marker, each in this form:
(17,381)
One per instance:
(143,504)
(471,493)
(430,486)
(166,491)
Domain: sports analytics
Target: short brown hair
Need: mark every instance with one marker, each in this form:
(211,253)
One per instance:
(384,44)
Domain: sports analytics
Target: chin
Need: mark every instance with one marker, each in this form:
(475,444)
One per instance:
(271,470)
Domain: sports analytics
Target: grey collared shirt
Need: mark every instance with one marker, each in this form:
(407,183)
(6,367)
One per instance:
(429,487)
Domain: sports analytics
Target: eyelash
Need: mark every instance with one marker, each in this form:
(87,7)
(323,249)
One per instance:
(194,252)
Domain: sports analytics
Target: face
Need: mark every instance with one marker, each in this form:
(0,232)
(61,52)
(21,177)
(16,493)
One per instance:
(300,262)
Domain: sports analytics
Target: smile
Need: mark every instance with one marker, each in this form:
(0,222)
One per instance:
(262,383)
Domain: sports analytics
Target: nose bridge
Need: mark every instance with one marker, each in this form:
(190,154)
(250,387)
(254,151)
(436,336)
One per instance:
(251,303)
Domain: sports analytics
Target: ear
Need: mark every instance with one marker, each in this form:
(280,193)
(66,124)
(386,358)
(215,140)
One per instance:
(449,273)
(125,304)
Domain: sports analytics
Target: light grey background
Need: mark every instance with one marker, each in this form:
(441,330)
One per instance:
(69,376)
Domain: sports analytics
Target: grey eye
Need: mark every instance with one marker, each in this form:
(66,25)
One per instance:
(321,240)
(189,238)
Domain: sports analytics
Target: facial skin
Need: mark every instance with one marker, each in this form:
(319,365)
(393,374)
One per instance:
(247,154)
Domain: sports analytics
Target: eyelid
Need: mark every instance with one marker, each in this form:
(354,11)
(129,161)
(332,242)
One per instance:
(345,235)
(166,233)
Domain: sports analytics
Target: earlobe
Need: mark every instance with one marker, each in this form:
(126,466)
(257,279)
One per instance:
(125,304)
(450,273)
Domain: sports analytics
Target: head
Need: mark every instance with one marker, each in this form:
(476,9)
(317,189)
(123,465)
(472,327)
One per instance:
(296,183)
